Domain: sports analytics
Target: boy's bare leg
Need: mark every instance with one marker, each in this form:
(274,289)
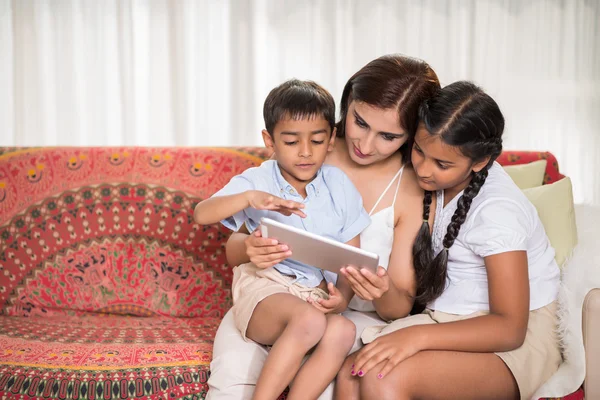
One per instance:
(326,360)
(293,327)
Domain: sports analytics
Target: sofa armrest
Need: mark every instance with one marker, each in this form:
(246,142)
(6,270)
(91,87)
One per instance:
(591,342)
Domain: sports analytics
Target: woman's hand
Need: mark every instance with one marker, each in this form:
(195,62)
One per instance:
(365,284)
(265,252)
(265,201)
(336,303)
(386,352)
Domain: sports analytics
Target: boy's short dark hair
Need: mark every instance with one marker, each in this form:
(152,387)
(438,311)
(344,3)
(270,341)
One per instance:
(298,99)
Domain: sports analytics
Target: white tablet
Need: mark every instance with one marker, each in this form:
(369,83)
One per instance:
(318,251)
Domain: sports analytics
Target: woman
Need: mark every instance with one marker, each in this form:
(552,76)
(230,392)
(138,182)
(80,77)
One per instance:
(378,116)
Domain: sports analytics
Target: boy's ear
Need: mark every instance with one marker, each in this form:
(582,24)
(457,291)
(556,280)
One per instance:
(478,166)
(331,144)
(268,140)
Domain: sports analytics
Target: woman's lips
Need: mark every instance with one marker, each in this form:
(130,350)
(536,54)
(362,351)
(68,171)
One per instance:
(359,154)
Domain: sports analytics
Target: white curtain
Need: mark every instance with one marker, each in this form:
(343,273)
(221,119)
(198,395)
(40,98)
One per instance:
(162,72)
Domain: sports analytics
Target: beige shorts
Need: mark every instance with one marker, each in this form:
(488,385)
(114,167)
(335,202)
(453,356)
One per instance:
(251,285)
(532,364)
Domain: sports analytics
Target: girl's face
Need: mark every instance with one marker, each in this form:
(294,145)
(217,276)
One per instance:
(440,166)
(372,134)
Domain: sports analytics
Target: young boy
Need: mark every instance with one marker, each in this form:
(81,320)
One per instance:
(272,305)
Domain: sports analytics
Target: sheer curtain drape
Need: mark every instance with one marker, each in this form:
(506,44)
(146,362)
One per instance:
(161,72)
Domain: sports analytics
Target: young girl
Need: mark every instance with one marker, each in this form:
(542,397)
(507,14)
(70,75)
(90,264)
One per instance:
(486,273)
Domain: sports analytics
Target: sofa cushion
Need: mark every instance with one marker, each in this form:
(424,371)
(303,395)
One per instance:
(554,204)
(88,356)
(527,175)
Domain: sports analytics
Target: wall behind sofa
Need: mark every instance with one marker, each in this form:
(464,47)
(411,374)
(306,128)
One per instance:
(160,72)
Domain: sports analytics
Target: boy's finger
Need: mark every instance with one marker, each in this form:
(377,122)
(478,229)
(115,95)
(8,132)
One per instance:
(298,213)
(333,291)
(293,204)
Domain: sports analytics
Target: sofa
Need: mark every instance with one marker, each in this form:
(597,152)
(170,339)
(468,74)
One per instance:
(108,289)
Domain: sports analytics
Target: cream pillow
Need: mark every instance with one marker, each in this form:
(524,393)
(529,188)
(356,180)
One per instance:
(527,175)
(554,204)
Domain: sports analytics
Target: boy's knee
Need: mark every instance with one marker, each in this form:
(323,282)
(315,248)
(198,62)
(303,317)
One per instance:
(308,326)
(342,330)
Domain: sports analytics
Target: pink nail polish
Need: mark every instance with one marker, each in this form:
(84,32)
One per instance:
(352,367)
(360,373)
(353,372)
(379,376)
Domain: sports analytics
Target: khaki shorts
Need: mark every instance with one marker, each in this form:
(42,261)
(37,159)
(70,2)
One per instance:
(251,285)
(532,364)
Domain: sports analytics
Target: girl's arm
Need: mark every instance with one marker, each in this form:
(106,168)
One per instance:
(504,328)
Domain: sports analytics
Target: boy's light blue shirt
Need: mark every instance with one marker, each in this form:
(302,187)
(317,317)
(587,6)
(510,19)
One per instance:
(333,209)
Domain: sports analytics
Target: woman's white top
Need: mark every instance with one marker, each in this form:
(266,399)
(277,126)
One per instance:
(378,238)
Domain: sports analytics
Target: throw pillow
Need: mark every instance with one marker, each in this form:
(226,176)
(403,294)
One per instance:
(554,204)
(527,175)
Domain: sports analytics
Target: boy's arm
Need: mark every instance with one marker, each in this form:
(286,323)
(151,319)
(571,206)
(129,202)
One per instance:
(215,209)
(340,294)
(218,208)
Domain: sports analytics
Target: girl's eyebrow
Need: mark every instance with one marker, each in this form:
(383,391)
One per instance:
(357,115)
(436,159)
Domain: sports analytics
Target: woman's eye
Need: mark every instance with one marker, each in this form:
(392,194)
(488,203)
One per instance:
(360,123)
(418,149)
(318,141)
(389,137)
(442,166)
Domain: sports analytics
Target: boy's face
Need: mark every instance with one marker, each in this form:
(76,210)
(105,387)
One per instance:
(300,147)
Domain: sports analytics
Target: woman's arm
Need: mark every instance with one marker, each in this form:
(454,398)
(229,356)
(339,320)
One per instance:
(393,292)
(242,247)
(399,299)
(235,248)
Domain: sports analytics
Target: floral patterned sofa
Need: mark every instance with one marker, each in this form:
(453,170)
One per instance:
(108,289)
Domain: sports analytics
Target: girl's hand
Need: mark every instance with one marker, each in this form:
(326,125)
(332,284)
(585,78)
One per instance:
(367,285)
(335,304)
(264,252)
(386,352)
(266,201)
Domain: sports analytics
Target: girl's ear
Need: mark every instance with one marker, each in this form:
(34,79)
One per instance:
(331,144)
(478,166)
(268,140)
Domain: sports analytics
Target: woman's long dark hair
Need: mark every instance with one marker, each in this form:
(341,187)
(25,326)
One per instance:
(391,81)
(464,116)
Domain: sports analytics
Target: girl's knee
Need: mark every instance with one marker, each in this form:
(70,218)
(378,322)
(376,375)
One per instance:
(344,376)
(397,385)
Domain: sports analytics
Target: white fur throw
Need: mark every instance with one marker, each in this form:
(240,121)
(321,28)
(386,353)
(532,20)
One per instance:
(580,274)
